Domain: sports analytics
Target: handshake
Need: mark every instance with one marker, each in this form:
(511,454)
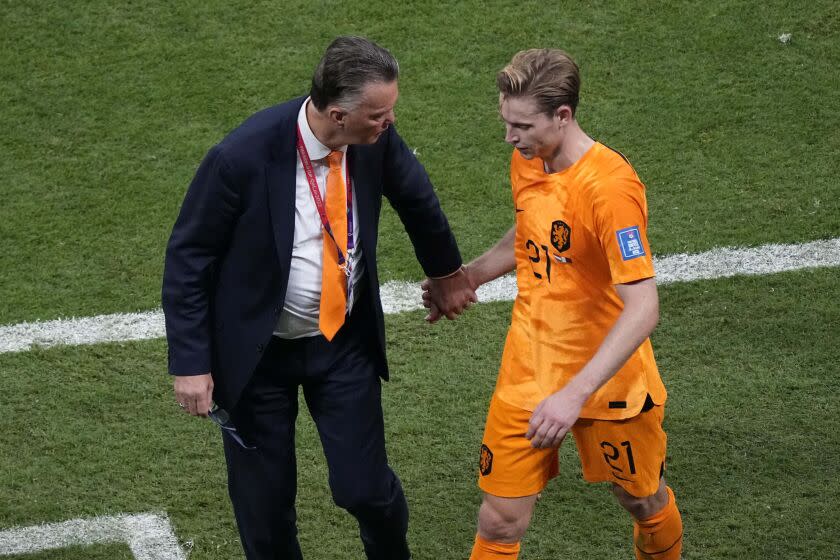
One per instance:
(448,296)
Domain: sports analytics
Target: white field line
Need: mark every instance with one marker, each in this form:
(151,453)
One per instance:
(405,296)
(149,536)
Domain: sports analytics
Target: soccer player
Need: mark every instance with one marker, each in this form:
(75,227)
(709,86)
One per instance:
(577,356)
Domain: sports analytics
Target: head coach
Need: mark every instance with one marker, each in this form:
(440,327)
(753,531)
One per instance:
(270,285)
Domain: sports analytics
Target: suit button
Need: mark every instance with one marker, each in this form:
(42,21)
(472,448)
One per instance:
(260,347)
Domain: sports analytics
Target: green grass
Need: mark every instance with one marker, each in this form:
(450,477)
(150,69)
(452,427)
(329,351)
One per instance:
(107,108)
(751,417)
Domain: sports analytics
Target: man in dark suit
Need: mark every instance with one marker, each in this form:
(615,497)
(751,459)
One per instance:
(270,284)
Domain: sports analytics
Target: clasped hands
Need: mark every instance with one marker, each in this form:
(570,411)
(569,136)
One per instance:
(448,297)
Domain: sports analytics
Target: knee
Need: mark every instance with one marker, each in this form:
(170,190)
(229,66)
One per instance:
(360,495)
(353,499)
(502,522)
(644,507)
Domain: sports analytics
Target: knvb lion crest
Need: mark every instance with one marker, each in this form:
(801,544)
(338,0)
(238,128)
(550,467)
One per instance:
(485,460)
(561,235)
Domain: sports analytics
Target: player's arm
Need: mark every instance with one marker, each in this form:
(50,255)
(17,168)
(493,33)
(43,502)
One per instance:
(495,262)
(556,414)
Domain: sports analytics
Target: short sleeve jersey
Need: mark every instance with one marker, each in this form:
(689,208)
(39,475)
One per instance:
(579,232)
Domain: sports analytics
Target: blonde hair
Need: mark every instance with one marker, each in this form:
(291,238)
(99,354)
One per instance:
(550,76)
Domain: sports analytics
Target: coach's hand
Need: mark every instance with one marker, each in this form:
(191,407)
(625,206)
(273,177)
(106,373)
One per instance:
(553,418)
(194,393)
(448,297)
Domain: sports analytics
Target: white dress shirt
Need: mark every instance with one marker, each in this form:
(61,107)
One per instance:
(299,317)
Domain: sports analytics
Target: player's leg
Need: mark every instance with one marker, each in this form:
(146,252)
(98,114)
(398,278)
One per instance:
(512,474)
(644,507)
(657,523)
(502,523)
(630,454)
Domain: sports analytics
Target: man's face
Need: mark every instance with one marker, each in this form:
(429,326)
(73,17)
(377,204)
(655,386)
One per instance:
(374,113)
(530,130)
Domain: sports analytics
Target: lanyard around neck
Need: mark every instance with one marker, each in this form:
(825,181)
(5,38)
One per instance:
(319,202)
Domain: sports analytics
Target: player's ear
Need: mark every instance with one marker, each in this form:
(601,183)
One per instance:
(563,115)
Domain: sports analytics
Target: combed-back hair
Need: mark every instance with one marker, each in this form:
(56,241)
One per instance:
(550,76)
(348,65)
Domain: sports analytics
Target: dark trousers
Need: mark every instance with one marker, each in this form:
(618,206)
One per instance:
(342,391)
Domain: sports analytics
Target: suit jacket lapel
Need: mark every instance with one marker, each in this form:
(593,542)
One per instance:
(280,179)
(280,186)
(280,183)
(361,191)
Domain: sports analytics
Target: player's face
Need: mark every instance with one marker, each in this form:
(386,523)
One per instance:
(374,114)
(528,129)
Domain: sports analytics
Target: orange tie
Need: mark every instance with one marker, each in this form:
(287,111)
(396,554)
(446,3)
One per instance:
(333,278)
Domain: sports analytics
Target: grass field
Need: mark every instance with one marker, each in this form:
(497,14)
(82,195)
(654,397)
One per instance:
(107,108)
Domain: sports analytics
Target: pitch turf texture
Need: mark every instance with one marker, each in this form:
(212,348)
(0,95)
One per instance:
(107,108)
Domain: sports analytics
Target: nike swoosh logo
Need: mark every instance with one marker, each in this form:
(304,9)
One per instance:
(519,210)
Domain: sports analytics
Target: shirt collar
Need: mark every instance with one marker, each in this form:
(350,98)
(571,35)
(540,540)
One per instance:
(314,147)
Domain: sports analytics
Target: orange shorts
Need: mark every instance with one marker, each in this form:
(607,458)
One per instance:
(630,453)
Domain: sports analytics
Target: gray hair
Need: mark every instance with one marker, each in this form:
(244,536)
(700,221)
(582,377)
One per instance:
(348,65)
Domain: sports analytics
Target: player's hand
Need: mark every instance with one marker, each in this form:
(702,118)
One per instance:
(448,296)
(553,418)
(194,393)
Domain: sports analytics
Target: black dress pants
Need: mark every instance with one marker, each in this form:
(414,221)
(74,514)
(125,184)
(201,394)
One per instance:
(342,390)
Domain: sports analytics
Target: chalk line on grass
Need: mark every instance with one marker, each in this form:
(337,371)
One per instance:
(398,297)
(148,535)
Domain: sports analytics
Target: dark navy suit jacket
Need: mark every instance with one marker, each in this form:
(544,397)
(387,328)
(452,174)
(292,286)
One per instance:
(227,261)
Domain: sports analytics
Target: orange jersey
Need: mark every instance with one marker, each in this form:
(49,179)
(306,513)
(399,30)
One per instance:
(579,232)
